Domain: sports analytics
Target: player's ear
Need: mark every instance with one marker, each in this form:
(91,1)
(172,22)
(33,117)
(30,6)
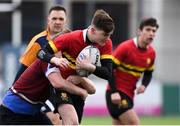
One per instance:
(139,32)
(92,30)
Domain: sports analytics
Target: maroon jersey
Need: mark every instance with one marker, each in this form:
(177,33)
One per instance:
(72,43)
(131,63)
(33,84)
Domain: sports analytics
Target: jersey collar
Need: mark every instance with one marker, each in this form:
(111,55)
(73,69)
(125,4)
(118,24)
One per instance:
(84,34)
(135,41)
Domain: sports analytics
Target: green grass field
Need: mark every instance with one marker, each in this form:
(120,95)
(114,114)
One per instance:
(166,120)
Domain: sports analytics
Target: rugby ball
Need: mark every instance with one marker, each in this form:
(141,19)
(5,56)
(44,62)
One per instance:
(94,55)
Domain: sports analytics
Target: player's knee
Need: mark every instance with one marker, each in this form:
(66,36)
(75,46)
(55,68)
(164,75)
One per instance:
(71,121)
(134,122)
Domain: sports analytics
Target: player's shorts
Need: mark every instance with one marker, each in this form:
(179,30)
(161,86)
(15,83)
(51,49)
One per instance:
(116,110)
(8,117)
(58,97)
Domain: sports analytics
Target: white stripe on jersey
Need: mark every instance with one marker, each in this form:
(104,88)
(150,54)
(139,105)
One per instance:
(51,69)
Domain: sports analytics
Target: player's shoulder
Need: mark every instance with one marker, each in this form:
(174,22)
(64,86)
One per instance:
(126,44)
(151,49)
(108,43)
(71,35)
(39,35)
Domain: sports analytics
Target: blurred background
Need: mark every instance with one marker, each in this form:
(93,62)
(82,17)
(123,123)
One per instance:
(20,20)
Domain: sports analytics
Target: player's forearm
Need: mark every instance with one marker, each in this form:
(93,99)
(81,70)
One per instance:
(59,82)
(73,89)
(147,78)
(105,70)
(88,85)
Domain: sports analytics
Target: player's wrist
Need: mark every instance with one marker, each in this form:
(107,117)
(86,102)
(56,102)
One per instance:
(53,60)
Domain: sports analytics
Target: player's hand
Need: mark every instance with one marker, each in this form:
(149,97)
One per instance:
(61,62)
(84,64)
(140,89)
(115,98)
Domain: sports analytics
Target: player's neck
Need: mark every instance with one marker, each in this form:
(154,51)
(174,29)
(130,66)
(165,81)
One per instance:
(140,44)
(88,39)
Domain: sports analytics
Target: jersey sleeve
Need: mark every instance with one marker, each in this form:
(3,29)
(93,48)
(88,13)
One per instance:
(60,43)
(29,55)
(152,61)
(106,51)
(50,69)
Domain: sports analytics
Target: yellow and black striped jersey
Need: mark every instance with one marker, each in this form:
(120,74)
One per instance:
(36,43)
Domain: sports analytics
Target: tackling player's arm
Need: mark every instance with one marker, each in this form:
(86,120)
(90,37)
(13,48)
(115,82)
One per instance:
(83,82)
(58,81)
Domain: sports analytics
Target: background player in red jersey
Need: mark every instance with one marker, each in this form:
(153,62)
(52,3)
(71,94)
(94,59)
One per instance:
(70,44)
(132,58)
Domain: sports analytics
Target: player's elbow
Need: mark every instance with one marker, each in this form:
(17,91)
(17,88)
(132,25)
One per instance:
(91,90)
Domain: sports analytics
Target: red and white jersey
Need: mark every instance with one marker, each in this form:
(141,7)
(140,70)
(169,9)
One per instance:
(131,63)
(33,84)
(72,43)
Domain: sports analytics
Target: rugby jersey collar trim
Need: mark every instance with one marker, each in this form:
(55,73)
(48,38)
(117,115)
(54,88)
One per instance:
(135,41)
(84,34)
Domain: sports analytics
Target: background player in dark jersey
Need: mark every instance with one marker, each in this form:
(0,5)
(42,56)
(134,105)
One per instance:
(21,104)
(70,44)
(56,22)
(133,58)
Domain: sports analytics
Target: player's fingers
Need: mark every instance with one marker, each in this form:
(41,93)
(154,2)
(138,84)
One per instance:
(64,64)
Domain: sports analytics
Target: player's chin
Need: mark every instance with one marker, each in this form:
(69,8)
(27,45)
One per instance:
(149,41)
(57,29)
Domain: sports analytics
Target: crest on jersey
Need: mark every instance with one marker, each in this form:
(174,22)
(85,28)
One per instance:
(64,96)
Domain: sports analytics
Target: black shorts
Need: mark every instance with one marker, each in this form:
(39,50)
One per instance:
(7,117)
(59,97)
(117,109)
(56,97)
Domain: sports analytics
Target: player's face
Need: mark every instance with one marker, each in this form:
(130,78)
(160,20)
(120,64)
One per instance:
(100,37)
(56,21)
(147,34)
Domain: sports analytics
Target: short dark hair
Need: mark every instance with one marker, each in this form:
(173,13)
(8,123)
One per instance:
(148,22)
(103,21)
(57,8)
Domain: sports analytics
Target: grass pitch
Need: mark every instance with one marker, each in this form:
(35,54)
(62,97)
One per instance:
(155,120)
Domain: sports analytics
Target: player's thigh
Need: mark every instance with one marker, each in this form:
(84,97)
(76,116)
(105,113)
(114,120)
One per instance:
(129,118)
(78,103)
(68,114)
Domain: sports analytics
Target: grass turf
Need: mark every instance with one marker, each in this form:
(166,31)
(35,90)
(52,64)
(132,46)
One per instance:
(155,120)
